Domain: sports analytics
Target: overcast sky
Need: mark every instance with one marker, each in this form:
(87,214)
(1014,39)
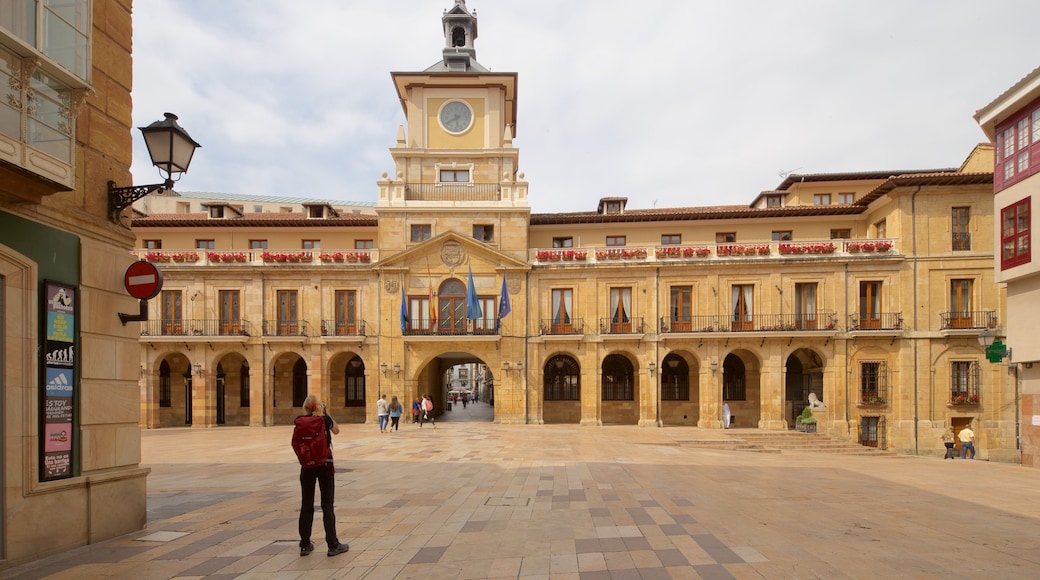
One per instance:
(670,103)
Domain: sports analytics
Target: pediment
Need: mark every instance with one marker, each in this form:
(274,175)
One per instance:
(451,252)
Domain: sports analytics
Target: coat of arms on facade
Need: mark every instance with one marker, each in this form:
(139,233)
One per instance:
(452,254)
(391,285)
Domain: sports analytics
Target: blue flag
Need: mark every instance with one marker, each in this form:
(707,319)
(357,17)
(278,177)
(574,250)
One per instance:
(504,308)
(404,309)
(473,311)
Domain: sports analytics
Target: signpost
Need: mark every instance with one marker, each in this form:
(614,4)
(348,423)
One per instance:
(143,281)
(996,351)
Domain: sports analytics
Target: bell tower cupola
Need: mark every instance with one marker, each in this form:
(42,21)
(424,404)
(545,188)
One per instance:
(460,30)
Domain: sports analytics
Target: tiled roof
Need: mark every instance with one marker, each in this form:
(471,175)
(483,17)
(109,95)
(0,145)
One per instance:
(915,179)
(242,197)
(851,176)
(693,213)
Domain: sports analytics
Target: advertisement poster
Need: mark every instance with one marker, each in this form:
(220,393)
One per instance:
(59,375)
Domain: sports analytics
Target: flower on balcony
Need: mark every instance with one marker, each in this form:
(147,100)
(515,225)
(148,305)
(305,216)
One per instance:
(226,256)
(702,252)
(964,399)
(873,400)
(331,256)
(870,246)
(287,256)
(185,257)
(157,257)
(637,253)
(668,252)
(827,248)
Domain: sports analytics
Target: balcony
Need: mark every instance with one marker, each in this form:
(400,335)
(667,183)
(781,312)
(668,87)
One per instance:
(464,327)
(345,328)
(633,325)
(453,192)
(287,328)
(876,321)
(968,320)
(553,327)
(701,253)
(195,327)
(819,321)
(243,258)
(961,242)
(969,397)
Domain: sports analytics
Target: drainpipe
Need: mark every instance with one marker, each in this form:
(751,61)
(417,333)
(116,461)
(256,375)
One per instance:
(913,240)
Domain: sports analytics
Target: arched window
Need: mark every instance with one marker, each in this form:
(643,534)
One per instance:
(458,36)
(451,300)
(562,379)
(617,379)
(733,379)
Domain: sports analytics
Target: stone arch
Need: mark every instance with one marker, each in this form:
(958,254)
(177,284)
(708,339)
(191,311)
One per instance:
(172,390)
(680,389)
(804,373)
(348,387)
(742,387)
(561,389)
(289,386)
(231,389)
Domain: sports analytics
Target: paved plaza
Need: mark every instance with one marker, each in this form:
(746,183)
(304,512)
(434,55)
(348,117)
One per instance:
(472,499)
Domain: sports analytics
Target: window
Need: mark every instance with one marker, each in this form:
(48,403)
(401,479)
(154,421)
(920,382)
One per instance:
(562,379)
(612,207)
(421,317)
(421,232)
(258,209)
(961,315)
(846,198)
(734,379)
(742,302)
(615,240)
(1017,154)
(153,244)
(230,323)
(451,307)
(216,211)
(354,387)
(315,211)
(620,308)
(675,379)
(205,244)
(172,307)
(821,199)
(805,305)
(964,382)
(873,383)
(346,313)
(680,309)
(311,244)
(288,324)
(489,311)
(562,306)
(1014,234)
(58,30)
(959,229)
(881,229)
(782,236)
(869,305)
(563,242)
(774,201)
(842,234)
(617,379)
(872,431)
(183,207)
(257,244)
(454,176)
(364,244)
(671,239)
(725,237)
(484,232)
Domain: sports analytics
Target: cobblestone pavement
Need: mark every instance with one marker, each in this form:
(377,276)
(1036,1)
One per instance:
(472,499)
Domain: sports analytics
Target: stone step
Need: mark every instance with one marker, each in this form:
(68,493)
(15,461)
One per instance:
(784,441)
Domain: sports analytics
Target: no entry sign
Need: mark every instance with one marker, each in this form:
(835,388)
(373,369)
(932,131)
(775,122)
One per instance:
(143,280)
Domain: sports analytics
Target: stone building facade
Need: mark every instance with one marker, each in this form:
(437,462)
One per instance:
(868,289)
(70,459)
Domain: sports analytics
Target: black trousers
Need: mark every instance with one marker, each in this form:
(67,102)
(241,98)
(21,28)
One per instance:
(326,480)
(950,452)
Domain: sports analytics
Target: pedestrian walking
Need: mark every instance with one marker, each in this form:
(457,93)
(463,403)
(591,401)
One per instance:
(395,413)
(383,412)
(415,410)
(426,408)
(323,474)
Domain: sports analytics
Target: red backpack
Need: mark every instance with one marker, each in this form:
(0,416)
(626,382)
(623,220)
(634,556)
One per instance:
(310,442)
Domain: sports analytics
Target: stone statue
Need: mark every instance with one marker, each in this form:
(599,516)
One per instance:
(815,402)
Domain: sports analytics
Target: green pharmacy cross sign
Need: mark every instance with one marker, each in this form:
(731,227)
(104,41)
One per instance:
(996,351)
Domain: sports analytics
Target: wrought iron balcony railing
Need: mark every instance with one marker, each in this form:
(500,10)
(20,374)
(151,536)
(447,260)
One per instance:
(752,323)
(463,327)
(553,326)
(196,327)
(968,319)
(632,325)
(961,242)
(876,321)
(287,328)
(342,328)
(453,192)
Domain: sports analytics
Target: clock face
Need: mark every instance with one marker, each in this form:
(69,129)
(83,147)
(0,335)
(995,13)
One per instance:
(456,117)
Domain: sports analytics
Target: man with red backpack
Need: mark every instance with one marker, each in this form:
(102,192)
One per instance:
(312,442)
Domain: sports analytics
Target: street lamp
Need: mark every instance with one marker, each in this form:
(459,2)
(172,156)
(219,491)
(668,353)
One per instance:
(986,338)
(170,148)
(652,367)
(198,369)
(383,368)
